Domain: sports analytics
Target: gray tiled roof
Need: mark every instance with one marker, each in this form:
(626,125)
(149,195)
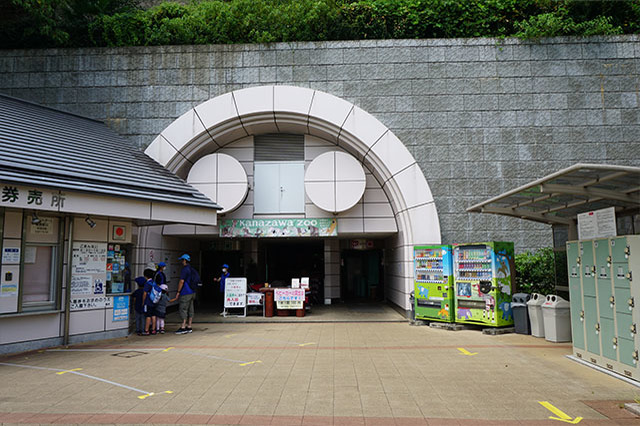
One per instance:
(48,147)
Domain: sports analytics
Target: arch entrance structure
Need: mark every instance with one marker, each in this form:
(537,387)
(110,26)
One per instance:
(395,210)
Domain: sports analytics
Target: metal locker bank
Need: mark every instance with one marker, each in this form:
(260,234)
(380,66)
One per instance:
(604,298)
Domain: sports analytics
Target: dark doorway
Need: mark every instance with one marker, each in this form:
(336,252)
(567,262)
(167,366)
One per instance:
(209,296)
(362,275)
(282,260)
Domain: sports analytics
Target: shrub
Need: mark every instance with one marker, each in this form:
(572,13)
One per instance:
(536,272)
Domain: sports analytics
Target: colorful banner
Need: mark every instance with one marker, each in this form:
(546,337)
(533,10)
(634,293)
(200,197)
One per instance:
(289,298)
(256,228)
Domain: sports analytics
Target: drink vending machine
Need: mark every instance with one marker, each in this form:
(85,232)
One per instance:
(433,275)
(484,275)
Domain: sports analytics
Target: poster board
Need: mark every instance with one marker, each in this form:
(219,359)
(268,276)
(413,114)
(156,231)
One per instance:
(254,299)
(289,298)
(597,224)
(88,276)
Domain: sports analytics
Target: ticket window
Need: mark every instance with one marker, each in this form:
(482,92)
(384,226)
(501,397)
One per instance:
(41,264)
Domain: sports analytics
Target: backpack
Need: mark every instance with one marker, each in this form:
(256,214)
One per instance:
(155,294)
(194,279)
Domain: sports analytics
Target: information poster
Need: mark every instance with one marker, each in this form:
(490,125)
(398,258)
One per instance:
(235,293)
(121,308)
(88,276)
(10,255)
(289,298)
(254,299)
(597,224)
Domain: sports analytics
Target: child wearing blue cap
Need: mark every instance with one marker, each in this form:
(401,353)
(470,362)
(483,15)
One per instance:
(137,305)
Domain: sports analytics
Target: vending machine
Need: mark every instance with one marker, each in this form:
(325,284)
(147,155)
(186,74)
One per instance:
(484,276)
(433,283)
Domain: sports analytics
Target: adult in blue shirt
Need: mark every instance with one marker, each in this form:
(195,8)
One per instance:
(222,280)
(186,295)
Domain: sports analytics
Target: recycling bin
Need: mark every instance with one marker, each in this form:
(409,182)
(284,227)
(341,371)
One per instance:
(521,321)
(534,305)
(557,319)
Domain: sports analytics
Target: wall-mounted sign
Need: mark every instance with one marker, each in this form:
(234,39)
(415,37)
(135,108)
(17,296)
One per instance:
(88,269)
(44,227)
(119,233)
(121,308)
(90,302)
(597,224)
(10,255)
(30,198)
(361,244)
(252,228)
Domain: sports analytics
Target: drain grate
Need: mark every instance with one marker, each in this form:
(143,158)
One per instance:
(129,354)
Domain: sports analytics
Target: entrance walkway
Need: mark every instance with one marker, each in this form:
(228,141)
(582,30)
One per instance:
(311,374)
(343,312)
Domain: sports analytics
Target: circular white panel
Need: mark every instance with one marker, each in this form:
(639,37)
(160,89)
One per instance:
(335,181)
(222,179)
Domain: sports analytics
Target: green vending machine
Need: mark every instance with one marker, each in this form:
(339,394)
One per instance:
(433,275)
(484,275)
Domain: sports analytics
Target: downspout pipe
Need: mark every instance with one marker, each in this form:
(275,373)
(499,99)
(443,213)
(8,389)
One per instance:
(67,293)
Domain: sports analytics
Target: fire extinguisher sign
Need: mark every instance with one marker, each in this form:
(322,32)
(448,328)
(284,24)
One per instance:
(119,233)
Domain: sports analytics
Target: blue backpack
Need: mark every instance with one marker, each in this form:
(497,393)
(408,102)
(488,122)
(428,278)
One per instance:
(155,294)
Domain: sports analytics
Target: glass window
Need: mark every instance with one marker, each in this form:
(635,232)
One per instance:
(39,276)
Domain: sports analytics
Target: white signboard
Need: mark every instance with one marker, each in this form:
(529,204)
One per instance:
(597,224)
(10,255)
(235,293)
(289,298)
(89,270)
(254,299)
(90,302)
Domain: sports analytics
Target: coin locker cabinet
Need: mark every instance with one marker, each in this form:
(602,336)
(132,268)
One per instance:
(604,301)
(433,275)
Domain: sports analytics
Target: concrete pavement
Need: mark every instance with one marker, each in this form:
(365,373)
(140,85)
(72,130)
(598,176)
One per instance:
(311,373)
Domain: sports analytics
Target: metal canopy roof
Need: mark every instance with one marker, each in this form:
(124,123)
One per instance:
(557,199)
(48,147)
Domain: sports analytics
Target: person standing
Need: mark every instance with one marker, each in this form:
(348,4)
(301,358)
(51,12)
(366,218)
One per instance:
(222,280)
(148,305)
(186,294)
(160,277)
(139,305)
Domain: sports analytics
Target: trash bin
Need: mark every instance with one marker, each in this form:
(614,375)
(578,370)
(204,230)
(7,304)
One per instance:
(557,319)
(520,313)
(534,306)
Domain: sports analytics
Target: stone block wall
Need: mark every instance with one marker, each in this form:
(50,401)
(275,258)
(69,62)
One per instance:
(481,116)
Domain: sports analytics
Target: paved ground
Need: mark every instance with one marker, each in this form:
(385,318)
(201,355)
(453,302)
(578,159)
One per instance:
(310,373)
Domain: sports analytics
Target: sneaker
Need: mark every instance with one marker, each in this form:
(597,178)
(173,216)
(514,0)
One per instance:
(144,333)
(181,331)
(161,331)
(153,332)
(189,330)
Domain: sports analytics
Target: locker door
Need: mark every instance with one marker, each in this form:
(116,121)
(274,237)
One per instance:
(587,264)
(618,246)
(626,349)
(603,279)
(607,334)
(575,295)
(624,325)
(292,187)
(590,322)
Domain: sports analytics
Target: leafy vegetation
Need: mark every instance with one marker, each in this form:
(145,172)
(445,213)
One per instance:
(539,272)
(50,23)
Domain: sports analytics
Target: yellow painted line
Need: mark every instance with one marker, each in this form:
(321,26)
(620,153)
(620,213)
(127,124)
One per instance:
(168,349)
(69,371)
(307,344)
(251,362)
(230,335)
(466,352)
(561,415)
(146,395)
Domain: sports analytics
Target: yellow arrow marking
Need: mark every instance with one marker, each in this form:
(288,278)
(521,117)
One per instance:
(466,352)
(251,362)
(307,344)
(68,371)
(151,394)
(231,335)
(562,416)
(168,349)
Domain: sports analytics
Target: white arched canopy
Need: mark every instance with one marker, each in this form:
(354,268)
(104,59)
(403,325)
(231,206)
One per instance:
(287,109)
